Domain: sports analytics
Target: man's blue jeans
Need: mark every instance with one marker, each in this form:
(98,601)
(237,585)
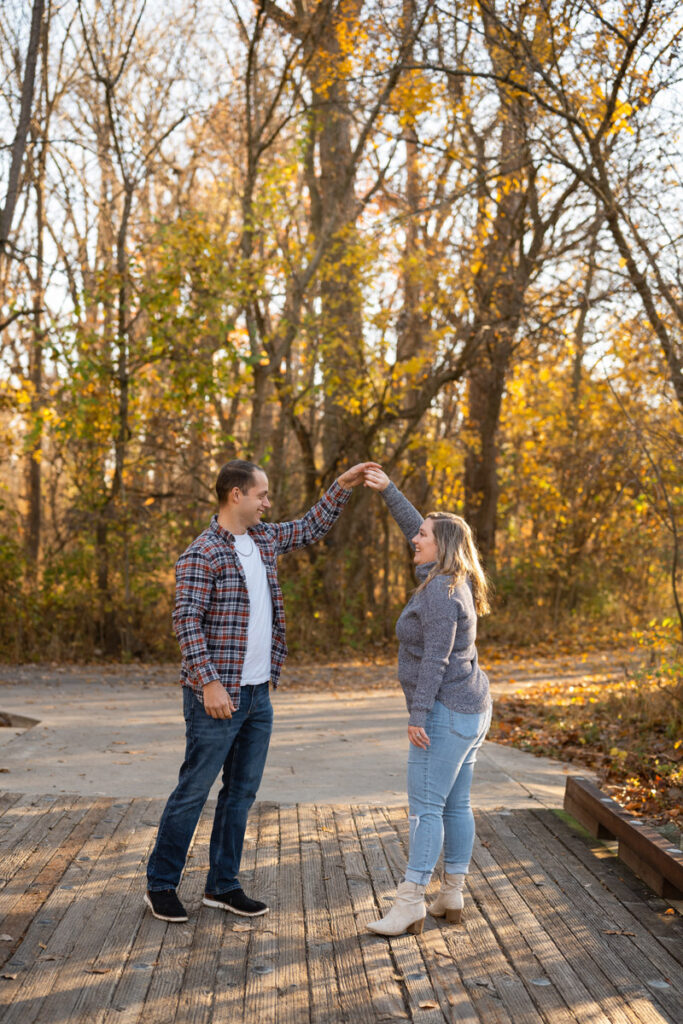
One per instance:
(439,784)
(238,746)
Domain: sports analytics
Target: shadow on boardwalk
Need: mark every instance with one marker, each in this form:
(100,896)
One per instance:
(553,932)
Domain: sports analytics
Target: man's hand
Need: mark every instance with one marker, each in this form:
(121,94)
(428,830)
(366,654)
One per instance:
(418,737)
(356,475)
(375,477)
(217,703)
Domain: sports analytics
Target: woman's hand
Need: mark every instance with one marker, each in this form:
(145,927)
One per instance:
(375,477)
(418,737)
(356,475)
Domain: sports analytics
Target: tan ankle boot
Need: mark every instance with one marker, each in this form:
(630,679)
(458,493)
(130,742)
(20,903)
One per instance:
(406,915)
(449,901)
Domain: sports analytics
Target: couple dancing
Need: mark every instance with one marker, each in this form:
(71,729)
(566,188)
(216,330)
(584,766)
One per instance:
(229,620)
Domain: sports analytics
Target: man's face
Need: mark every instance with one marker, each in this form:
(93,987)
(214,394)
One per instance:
(254,503)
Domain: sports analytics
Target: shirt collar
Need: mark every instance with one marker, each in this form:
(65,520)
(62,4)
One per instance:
(226,535)
(220,531)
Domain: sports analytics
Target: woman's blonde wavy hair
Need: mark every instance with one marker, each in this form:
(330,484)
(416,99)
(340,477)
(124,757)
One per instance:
(457,557)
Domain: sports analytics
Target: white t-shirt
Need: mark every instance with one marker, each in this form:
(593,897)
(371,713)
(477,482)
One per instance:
(256,668)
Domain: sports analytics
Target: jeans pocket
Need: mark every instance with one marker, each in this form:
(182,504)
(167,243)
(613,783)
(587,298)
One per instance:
(467,727)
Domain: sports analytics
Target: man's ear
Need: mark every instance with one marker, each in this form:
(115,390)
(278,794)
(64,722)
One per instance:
(235,494)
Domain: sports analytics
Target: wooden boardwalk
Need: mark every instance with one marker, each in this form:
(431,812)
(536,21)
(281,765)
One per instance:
(553,932)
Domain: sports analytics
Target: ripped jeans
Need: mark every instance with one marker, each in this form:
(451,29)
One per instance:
(439,784)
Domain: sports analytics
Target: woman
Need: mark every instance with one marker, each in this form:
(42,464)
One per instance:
(448,701)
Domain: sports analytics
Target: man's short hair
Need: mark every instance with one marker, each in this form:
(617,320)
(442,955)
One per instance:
(236,473)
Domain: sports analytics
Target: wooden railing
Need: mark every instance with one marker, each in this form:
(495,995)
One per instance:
(648,854)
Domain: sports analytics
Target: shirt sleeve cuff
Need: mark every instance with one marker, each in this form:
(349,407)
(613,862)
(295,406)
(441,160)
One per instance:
(206,674)
(338,493)
(418,719)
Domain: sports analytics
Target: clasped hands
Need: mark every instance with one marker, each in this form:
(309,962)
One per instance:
(370,474)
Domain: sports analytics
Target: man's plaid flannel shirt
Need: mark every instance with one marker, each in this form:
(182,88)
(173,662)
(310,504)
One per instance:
(211,616)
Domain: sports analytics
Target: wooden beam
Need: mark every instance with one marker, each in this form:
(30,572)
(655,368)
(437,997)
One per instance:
(649,855)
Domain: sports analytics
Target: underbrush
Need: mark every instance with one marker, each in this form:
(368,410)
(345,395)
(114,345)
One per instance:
(630,731)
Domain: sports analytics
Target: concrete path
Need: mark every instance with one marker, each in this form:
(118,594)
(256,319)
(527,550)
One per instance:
(118,731)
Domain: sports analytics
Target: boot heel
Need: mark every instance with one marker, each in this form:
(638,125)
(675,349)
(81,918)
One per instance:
(416,927)
(454,916)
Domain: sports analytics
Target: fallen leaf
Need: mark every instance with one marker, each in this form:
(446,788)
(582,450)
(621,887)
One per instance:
(10,977)
(98,970)
(5,938)
(613,931)
(670,911)
(241,928)
(429,1005)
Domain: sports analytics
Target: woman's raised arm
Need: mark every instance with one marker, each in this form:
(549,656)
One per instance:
(405,514)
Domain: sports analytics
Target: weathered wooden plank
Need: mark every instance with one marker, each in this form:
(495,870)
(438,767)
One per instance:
(632,908)
(112,957)
(196,996)
(551,956)
(20,814)
(30,827)
(153,996)
(325,1000)
(89,920)
(355,996)
(126,1002)
(387,998)
(424,1002)
(31,886)
(622,957)
(534,914)
(260,997)
(447,985)
(616,996)
(229,995)
(487,892)
(550,909)
(497,990)
(293,1004)
(23,996)
(63,816)
(7,801)
(614,975)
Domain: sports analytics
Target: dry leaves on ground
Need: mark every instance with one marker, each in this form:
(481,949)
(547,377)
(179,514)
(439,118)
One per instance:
(627,731)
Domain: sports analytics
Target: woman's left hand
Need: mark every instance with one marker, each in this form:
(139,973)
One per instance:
(418,737)
(356,475)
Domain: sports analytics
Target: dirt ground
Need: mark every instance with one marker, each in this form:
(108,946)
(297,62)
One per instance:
(507,671)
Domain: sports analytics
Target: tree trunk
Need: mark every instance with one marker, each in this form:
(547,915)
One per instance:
(485,394)
(19,144)
(33,527)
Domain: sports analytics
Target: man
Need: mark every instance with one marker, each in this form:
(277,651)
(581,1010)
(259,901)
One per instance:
(229,621)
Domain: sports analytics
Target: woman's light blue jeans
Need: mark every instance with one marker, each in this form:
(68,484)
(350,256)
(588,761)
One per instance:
(439,784)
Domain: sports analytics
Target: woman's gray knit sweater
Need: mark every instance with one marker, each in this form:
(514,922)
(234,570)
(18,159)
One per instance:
(437,658)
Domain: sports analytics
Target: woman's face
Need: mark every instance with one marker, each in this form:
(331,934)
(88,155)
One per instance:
(425,544)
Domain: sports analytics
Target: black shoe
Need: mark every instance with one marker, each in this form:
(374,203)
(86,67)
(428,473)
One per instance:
(237,902)
(165,905)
